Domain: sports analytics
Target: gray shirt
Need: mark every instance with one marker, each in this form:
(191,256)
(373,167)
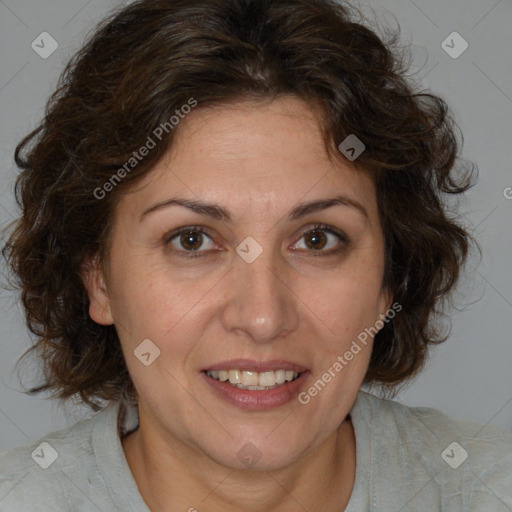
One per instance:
(407,459)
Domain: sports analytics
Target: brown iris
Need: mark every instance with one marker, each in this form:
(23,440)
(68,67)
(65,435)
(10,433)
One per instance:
(316,239)
(191,240)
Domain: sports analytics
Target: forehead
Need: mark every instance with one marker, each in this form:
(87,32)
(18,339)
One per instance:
(252,155)
(253,134)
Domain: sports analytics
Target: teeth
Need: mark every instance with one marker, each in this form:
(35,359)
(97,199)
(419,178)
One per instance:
(267,379)
(250,378)
(254,380)
(235,376)
(280,376)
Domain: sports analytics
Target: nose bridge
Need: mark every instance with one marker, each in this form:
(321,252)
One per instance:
(260,301)
(262,278)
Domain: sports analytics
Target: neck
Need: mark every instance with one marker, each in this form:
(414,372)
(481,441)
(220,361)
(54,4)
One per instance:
(172,476)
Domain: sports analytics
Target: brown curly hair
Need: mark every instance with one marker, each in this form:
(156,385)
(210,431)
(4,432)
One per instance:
(149,59)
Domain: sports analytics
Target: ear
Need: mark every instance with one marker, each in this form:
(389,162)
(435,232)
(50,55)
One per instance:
(95,284)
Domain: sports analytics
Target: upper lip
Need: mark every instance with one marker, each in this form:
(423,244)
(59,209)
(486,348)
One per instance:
(257,366)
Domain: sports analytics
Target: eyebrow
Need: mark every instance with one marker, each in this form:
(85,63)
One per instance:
(218,213)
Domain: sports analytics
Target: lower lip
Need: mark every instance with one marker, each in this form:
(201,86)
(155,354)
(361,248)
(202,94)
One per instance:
(257,400)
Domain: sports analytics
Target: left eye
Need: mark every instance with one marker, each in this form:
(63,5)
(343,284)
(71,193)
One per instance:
(320,239)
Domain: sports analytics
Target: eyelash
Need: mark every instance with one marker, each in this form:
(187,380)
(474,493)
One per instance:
(316,227)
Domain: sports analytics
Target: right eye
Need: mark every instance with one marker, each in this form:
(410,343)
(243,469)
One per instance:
(190,239)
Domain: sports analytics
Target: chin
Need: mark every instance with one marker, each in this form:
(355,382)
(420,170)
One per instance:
(259,452)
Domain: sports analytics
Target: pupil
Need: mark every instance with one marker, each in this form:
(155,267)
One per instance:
(316,239)
(191,240)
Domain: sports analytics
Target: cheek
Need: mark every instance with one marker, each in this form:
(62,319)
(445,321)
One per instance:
(348,302)
(167,307)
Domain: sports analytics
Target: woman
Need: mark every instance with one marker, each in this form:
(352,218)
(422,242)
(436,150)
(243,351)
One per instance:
(233,217)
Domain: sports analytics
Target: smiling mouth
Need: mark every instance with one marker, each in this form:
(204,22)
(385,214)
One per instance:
(254,381)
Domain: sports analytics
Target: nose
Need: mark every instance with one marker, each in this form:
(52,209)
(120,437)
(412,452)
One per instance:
(261,304)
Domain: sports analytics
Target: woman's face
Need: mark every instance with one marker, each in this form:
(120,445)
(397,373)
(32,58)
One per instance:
(249,290)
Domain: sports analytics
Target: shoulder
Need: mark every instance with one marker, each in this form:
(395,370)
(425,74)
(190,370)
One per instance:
(45,474)
(425,425)
(462,456)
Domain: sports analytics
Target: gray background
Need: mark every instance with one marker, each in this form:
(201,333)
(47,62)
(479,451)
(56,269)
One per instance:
(469,376)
